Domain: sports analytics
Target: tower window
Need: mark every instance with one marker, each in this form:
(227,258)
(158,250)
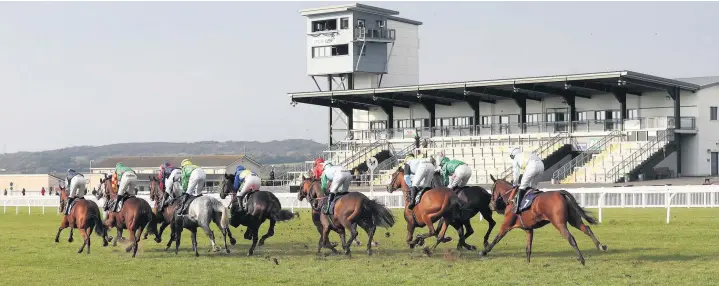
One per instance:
(324,25)
(344,23)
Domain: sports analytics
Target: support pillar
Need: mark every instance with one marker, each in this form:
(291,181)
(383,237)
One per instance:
(571,102)
(329,86)
(674,93)
(522,103)
(621,95)
(389,110)
(475,107)
(430,108)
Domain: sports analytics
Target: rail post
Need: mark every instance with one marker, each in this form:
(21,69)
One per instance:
(600,203)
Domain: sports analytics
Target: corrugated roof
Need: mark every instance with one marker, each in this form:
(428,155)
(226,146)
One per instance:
(156,161)
(702,81)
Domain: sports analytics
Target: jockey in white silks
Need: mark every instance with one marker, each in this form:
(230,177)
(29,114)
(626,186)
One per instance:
(75,185)
(338,177)
(172,184)
(245,181)
(418,174)
(532,167)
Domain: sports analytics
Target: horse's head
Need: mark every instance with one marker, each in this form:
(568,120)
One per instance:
(155,191)
(502,192)
(397,180)
(64,194)
(226,186)
(305,187)
(105,188)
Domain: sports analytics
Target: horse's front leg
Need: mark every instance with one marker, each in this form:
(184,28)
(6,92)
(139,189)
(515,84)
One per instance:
(506,227)
(63,225)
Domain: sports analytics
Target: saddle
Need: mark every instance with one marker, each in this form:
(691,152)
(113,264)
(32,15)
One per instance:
(71,205)
(528,199)
(329,209)
(242,202)
(421,192)
(186,207)
(120,201)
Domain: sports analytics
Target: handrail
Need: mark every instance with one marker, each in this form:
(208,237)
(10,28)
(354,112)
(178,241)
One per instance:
(364,151)
(561,136)
(585,156)
(634,159)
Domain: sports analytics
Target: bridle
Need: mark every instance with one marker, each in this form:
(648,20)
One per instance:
(502,195)
(311,195)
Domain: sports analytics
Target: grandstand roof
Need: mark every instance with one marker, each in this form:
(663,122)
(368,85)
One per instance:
(533,88)
(156,161)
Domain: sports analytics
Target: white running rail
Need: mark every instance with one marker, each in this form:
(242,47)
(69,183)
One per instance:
(668,197)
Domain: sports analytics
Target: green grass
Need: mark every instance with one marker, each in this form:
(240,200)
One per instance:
(643,249)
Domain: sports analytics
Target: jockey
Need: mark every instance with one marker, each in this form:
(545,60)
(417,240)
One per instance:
(532,166)
(338,177)
(247,180)
(193,181)
(317,168)
(165,176)
(127,181)
(422,169)
(75,189)
(455,173)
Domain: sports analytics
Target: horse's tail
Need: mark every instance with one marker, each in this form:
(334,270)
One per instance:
(381,215)
(282,215)
(578,210)
(100,228)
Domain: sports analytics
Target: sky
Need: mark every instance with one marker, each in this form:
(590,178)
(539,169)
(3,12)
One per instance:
(96,73)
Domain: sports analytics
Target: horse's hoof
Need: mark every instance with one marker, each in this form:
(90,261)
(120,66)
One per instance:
(447,239)
(70,240)
(197,254)
(227,250)
(483,253)
(57,241)
(581,260)
(472,247)
(604,247)
(249,253)
(233,241)
(261,243)
(348,254)
(369,252)
(158,239)
(105,244)
(358,243)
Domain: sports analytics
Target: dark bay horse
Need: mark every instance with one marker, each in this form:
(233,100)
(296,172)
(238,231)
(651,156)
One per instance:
(350,210)
(261,206)
(555,207)
(436,203)
(472,200)
(135,214)
(84,215)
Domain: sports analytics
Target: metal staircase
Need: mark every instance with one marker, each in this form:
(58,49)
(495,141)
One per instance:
(662,145)
(545,149)
(567,169)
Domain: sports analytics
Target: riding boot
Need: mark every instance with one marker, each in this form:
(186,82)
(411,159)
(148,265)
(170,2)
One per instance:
(329,201)
(67,207)
(412,194)
(181,207)
(518,200)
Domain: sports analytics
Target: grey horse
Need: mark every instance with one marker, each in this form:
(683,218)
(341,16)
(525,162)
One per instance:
(201,212)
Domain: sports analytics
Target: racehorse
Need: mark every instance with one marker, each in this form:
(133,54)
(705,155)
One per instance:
(135,214)
(84,215)
(435,204)
(201,213)
(260,206)
(555,207)
(472,200)
(350,210)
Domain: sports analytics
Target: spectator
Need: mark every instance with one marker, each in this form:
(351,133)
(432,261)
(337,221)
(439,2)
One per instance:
(357,177)
(42,191)
(23,191)
(272,176)
(5,193)
(50,194)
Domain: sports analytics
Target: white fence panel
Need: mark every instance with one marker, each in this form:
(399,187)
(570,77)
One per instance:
(696,196)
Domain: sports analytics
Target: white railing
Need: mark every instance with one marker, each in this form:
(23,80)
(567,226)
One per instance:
(695,196)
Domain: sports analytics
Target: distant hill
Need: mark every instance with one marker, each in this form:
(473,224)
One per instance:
(273,152)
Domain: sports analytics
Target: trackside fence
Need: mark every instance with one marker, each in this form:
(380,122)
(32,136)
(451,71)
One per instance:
(667,197)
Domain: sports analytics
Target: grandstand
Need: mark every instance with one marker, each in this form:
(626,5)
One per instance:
(602,127)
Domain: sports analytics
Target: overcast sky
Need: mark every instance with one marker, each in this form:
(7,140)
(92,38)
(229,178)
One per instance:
(99,73)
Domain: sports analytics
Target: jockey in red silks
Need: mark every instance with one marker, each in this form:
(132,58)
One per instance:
(317,168)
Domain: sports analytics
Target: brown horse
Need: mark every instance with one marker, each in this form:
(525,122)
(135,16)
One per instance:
(436,203)
(350,210)
(84,216)
(555,207)
(166,216)
(135,214)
